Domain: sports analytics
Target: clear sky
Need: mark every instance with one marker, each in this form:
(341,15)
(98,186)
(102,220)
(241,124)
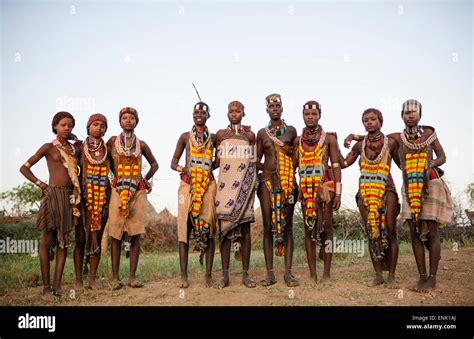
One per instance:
(98,56)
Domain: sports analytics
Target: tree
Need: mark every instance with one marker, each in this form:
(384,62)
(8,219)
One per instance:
(470,193)
(25,198)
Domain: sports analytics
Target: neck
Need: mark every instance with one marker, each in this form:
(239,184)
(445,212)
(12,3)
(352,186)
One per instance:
(412,129)
(128,131)
(312,127)
(374,133)
(61,139)
(276,122)
(200,128)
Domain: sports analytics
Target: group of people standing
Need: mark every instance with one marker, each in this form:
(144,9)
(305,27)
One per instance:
(265,164)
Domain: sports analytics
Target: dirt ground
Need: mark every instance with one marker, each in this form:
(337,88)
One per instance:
(349,286)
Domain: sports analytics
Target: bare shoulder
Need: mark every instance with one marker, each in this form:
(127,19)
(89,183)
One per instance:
(45,148)
(331,138)
(220,133)
(392,143)
(251,135)
(395,136)
(428,130)
(292,130)
(143,144)
(184,135)
(261,133)
(111,140)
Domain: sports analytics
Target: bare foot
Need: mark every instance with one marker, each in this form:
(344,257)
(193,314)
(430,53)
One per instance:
(115,285)
(326,280)
(79,287)
(428,285)
(314,278)
(91,285)
(378,280)
(248,282)
(224,282)
(134,283)
(269,280)
(58,292)
(47,290)
(391,283)
(418,286)
(208,282)
(184,282)
(290,280)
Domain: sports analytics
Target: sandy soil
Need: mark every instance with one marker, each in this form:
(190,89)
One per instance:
(350,286)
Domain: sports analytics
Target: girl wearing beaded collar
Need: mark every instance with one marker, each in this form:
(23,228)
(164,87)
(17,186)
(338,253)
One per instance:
(95,166)
(427,203)
(60,198)
(128,198)
(196,193)
(377,196)
(320,187)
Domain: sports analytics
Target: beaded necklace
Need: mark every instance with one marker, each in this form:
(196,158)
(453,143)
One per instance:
(413,144)
(96,151)
(279,196)
(123,149)
(128,176)
(311,173)
(372,185)
(200,171)
(275,132)
(381,154)
(199,142)
(66,146)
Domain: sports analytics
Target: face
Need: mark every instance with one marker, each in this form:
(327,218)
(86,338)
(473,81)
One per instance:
(274,110)
(199,117)
(311,117)
(411,118)
(235,115)
(128,122)
(371,122)
(97,129)
(64,127)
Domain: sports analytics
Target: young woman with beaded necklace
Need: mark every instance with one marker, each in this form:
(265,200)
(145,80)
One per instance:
(128,200)
(60,198)
(378,206)
(95,166)
(427,203)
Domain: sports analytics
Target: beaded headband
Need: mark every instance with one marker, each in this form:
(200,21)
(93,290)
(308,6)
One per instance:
(236,104)
(129,110)
(203,107)
(273,98)
(312,105)
(411,105)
